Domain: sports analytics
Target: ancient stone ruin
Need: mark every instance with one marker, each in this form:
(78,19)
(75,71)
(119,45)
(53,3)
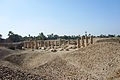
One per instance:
(59,43)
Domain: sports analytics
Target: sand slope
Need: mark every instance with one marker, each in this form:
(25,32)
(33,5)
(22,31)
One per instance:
(100,61)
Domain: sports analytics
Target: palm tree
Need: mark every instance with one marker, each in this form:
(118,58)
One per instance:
(10,33)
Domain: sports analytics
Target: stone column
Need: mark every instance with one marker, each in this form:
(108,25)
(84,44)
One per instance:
(52,45)
(91,39)
(60,42)
(48,43)
(78,43)
(36,45)
(69,42)
(41,43)
(32,45)
(28,44)
(25,44)
(82,41)
(64,44)
(45,44)
(55,43)
(86,40)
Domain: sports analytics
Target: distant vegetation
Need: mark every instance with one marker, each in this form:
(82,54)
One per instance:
(12,37)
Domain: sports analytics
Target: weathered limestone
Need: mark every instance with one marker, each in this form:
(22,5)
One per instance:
(41,43)
(35,44)
(86,40)
(52,45)
(69,42)
(91,39)
(45,44)
(49,44)
(28,44)
(60,43)
(38,44)
(25,44)
(78,43)
(32,45)
(82,41)
(72,47)
(64,44)
(55,43)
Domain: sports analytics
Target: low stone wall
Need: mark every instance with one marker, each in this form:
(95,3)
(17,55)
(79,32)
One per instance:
(13,46)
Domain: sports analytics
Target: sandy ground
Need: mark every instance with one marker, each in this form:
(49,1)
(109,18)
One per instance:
(99,61)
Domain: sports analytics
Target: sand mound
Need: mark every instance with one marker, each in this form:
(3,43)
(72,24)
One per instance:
(10,74)
(95,62)
(4,52)
(58,68)
(16,59)
(109,40)
(100,61)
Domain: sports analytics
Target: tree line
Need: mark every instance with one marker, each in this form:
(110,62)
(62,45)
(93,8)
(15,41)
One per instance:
(12,37)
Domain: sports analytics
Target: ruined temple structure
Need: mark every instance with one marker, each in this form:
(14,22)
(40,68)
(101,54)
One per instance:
(59,43)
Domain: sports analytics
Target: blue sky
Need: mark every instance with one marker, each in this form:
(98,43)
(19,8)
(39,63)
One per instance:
(62,17)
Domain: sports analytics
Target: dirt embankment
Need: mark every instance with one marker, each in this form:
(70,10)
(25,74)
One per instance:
(4,52)
(100,61)
(7,73)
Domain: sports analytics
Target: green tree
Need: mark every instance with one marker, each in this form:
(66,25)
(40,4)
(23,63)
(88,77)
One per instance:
(14,37)
(103,36)
(56,36)
(109,35)
(41,36)
(10,33)
(118,35)
(50,36)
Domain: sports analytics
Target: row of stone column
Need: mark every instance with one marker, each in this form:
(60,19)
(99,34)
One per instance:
(38,44)
(35,44)
(84,42)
